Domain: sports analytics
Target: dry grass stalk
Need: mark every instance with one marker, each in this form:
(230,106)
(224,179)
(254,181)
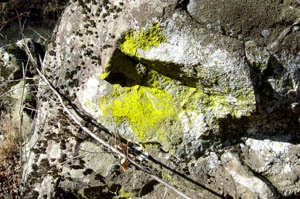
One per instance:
(10,164)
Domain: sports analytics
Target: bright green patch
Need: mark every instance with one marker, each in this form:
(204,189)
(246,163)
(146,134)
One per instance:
(144,39)
(166,177)
(146,109)
(123,194)
(153,102)
(104,75)
(151,111)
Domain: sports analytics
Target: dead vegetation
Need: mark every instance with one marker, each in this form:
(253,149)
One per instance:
(10,163)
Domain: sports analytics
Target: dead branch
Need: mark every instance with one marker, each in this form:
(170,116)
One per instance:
(18,16)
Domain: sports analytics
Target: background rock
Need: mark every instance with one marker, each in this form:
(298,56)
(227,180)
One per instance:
(209,91)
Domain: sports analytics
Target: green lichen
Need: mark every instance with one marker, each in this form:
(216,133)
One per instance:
(150,97)
(104,75)
(144,39)
(148,110)
(151,107)
(151,110)
(260,66)
(123,194)
(166,177)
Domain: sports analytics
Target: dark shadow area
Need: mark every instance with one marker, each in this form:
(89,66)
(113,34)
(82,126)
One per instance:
(102,192)
(148,188)
(292,197)
(123,70)
(173,71)
(182,4)
(274,115)
(61,194)
(128,71)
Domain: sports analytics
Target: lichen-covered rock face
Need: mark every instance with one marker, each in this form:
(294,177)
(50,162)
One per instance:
(170,82)
(161,75)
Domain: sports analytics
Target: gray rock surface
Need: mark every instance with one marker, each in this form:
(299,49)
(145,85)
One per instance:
(277,159)
(206,89)
(231,176)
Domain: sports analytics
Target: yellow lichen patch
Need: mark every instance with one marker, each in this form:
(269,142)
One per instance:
(104,75)
(144,39)
(146,109)
(124,194)
(169,179)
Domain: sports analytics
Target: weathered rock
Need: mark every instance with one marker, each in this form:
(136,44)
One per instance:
(10,69)
(276,158)
(245,19)
(176,87)
(269,45)
(161,75)
(230,176)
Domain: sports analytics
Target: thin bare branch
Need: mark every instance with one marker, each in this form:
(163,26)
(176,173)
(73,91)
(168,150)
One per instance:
(38,34)
(21,106)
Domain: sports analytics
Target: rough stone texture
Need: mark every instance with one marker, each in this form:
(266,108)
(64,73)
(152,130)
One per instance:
(231,176)
(205,88)
(246,19)
(270,32)
(277,159)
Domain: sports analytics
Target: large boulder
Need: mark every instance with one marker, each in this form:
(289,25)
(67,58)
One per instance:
(186,84)
(156,82)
